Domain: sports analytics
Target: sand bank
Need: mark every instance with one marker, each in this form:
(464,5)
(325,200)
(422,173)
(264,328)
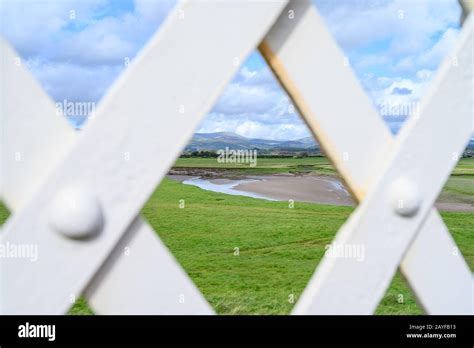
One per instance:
(307,188)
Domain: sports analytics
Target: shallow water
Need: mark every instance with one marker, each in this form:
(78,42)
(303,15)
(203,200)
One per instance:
(337,185)
(333,192)
(227,188)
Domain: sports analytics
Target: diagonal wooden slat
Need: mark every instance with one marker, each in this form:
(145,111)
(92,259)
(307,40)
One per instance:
(141,276)
(419,165)
(129,124)
(109,278)
(339,113)
(25,110)
(40,152)
(466,6)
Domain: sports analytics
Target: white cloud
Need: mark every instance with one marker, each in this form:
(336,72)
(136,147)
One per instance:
(239,98)
(100,43)
(424,75)
(254,129)
(439,51)
(151,10)
(277,131)
(398,94)
(396,37)
(407,24)
(78,59)
(33,26)
(77,48)
(254,105)
(75,82)
(113,39)
(370,60)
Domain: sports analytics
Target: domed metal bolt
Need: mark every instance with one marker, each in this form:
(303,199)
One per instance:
(405,197)
(76,213)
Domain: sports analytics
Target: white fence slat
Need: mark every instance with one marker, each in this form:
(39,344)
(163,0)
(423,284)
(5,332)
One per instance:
(427,163)
(139,280)
(25,166)
(155,262)
(436,270)
(322,88)
(305,68)
(127,269)
(124,123)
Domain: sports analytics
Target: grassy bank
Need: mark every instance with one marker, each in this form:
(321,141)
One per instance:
(316,165)
(279,247)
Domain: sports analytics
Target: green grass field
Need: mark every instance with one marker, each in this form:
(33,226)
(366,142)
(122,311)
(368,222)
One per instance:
(279,247)
(317,165)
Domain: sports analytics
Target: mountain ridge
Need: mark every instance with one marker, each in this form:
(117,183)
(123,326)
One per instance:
(221,140)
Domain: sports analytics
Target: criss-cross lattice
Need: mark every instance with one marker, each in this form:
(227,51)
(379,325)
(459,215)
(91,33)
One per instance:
(152,112)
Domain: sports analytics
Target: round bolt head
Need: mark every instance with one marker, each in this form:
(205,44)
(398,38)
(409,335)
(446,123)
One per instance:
(404,197)
(76,213)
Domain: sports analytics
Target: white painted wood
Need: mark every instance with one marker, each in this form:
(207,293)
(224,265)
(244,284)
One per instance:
(417,156)
(126,124)
(28,153)
(466,6)
(151,290)
(356,139)
(139,280)
(141,276)
(107,266)
(436,271)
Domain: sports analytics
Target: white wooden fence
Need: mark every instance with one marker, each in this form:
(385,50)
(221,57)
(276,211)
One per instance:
(77,195)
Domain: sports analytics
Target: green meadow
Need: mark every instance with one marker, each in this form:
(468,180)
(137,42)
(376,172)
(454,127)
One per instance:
(316,165)
(251,256)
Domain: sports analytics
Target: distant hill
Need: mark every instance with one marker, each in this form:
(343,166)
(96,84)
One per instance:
(221,140)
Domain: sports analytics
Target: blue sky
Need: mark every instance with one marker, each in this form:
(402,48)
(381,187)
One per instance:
(77,48)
